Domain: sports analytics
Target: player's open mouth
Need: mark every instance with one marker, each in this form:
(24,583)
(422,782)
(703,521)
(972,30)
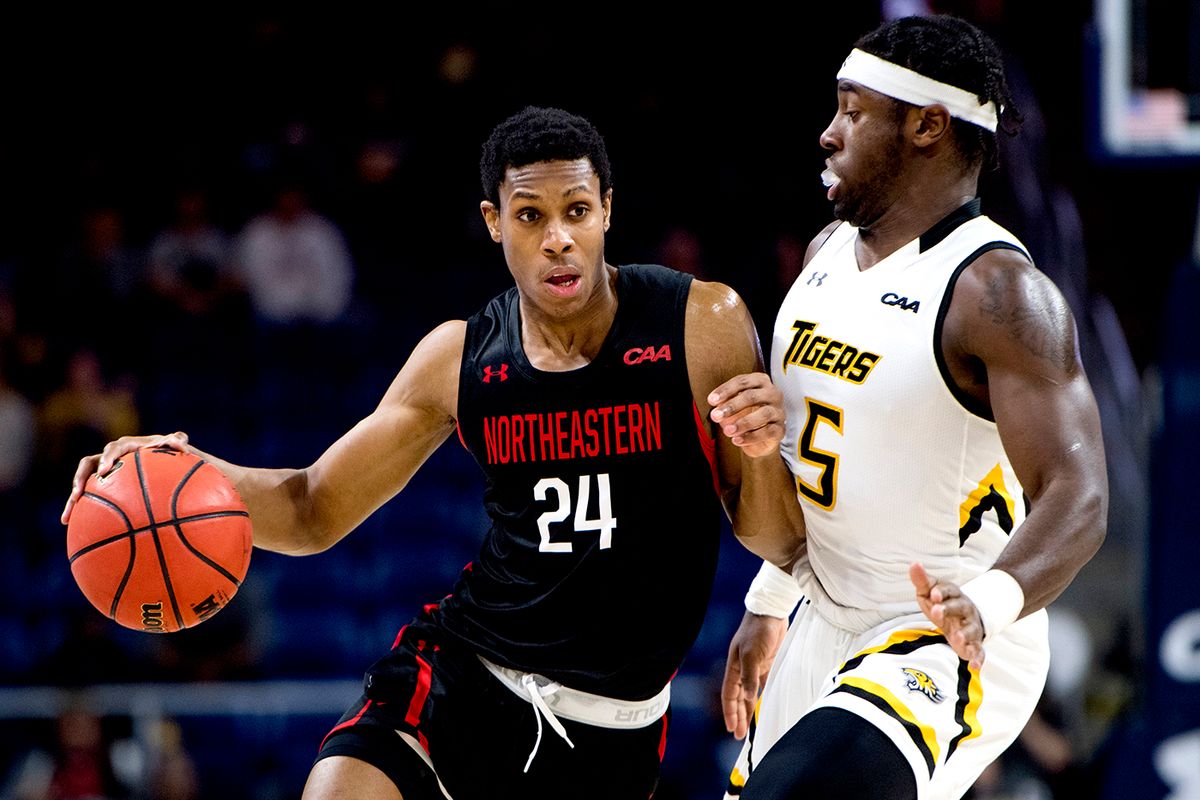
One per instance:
(831,180)
(564,284)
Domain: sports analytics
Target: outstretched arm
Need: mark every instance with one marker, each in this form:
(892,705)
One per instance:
(724,359)
(1010,326)
(301,511)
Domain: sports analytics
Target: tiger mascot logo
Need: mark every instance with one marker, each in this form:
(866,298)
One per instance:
(917,681)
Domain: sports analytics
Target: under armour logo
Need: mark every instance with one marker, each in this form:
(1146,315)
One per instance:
(819,277)
(489,373)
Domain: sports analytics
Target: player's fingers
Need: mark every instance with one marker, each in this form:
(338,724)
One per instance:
(114,450)
(737,709)
(750,682)
(751,418)
(737,385)
(177,440)
(763,442)
(969,648)
(764,399)
(731,691)
(736,722)
(920,579)
(758,449)
(127,444)
(87,465)
(744,713)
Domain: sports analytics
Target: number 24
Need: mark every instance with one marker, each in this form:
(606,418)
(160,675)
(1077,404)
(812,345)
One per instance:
(605,523)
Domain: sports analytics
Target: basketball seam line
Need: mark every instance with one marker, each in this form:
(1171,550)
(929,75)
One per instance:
(179,528)
(162,559)
(112,609)
(174,522)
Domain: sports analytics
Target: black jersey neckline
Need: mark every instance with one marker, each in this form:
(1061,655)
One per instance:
(948,224)
(517,348)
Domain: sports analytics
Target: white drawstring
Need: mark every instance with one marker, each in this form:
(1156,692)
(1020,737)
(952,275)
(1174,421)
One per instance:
(541,709)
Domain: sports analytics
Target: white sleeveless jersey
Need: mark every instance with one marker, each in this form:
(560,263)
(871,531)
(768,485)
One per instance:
(890,464)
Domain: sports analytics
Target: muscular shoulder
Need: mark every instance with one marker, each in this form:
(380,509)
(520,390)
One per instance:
(1005,310)
(720,336)
(429,379)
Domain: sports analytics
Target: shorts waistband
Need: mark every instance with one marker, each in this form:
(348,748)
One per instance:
(581,706)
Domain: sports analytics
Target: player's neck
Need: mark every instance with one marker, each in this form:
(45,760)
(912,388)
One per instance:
(917,210)
(557,344)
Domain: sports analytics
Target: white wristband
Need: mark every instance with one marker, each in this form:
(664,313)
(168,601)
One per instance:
(998,597)
(773,592)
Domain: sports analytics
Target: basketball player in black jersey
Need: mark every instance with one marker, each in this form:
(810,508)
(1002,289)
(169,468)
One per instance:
(546,672)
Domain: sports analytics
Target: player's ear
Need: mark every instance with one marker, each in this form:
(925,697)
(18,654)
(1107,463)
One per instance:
(607,203)
(930,124)
(491,216)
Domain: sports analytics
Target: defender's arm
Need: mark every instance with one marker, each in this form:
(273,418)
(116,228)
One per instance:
(1009,326)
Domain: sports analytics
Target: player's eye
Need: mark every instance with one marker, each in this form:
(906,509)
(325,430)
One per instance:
(527,215)
(579,211)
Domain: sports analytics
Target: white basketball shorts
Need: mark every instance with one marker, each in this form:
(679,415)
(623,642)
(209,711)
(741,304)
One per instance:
(948,720)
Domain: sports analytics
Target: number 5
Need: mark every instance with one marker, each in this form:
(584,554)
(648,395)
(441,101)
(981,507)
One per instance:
(824,493)
(606,523)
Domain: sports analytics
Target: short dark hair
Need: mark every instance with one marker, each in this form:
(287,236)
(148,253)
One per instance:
(541,134)
(953,51)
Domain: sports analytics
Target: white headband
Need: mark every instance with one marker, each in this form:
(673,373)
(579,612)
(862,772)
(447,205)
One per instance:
(901,83)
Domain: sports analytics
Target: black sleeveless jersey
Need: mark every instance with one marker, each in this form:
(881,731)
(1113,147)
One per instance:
(601,490)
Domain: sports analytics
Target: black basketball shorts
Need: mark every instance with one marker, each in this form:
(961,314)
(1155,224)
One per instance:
(432,692)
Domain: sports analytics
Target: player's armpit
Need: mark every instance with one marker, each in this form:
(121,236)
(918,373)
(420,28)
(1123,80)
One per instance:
(1010,318)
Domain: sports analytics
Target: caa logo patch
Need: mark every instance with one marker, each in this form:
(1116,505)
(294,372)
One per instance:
(917,681)
(637,355)
(903,303)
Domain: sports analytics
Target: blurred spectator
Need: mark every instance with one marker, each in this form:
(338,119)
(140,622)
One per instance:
(105,256)
(172,773)
(190,260)
(17,429)
(90,297)
(295,263)
(79,767)
(84,415)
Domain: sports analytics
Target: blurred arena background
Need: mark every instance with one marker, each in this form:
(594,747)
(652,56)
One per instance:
(162,173)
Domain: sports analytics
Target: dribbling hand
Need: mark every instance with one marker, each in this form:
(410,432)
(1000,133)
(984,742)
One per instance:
(100,464)
(751,653)
(749,410)
(953,612)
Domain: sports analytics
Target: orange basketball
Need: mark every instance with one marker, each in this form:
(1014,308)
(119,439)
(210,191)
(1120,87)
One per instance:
(161,542)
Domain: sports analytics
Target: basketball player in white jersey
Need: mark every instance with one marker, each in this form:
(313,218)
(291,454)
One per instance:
(944,443)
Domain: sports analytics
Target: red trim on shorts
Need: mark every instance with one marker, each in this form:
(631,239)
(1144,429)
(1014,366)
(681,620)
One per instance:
(399,636)
(708,446)
(345,724)
(662,743)
(424,679)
